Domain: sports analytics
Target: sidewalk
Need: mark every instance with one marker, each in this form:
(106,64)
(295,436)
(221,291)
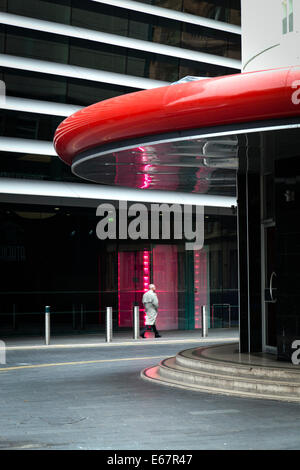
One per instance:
(218,335)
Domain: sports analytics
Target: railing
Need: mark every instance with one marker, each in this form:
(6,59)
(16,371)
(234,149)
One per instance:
(76,310)
(223,320)
(69,309)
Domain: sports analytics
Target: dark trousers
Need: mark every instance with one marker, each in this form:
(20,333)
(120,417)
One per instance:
(149,328)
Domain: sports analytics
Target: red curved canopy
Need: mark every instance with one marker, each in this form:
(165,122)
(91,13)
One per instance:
(230,99)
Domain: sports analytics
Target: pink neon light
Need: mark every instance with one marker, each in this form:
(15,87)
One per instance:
(147,178)
(200,297)
(146,270)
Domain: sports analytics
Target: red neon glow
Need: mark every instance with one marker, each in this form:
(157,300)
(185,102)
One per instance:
(147,178)
(200,281)
(146,183)
(146,275)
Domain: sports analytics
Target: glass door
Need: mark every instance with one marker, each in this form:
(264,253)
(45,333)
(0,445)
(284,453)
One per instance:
(269,279)
(268,246)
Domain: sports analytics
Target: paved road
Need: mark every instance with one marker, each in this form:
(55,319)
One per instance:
(94,398)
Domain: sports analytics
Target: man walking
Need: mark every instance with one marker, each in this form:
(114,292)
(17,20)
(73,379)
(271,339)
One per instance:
(150,302)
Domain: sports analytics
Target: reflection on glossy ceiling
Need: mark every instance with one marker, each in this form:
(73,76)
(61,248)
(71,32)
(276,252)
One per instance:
(199,165)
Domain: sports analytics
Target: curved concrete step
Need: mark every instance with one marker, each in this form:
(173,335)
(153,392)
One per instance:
(199,360)
(236,379)
(170,370)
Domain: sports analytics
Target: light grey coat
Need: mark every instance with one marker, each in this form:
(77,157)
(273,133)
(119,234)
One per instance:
(150,302)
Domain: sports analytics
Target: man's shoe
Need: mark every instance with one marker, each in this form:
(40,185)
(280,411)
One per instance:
(157,336)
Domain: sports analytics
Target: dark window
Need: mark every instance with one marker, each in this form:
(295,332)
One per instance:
(118,21)
(28,125)
(37,45)
(202,69)
(228,11)
(34,85)
(50,10)
(124,61)
(37,167)
(171,4)
(100,17)
(45,87)
(55,48)
(84,92)
(44,46)
(211,41)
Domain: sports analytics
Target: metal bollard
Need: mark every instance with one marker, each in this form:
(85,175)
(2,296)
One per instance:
(108,324)
(204,321)
(136,322)
(47,325)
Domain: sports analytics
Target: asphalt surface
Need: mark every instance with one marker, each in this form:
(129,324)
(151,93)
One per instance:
(94,399)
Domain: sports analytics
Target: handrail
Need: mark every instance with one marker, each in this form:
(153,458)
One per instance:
(271,287)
